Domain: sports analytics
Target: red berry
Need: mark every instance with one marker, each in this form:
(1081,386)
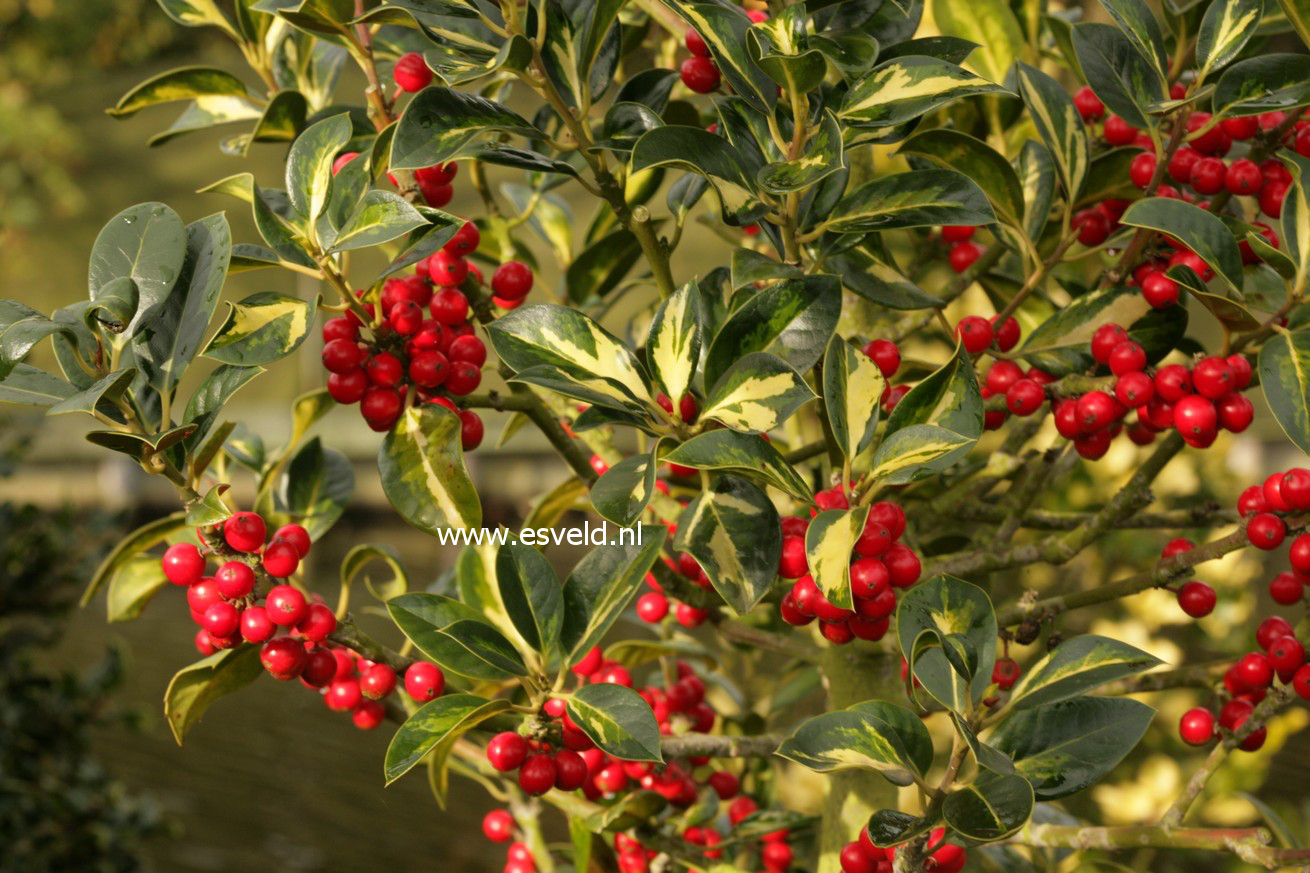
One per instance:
(429,368)
(498,826)
(512,280)
(449,306)
(1287,654)
(652,607)
(320,668)
(1235,413)
(793,563)
(296,535)
(853,859)
(1212,377)
(886,355)
(958,233)
(1093,227)
(1007,334)
(465,241)
(1286,589)
(469,349)
(1271,198)
(1196,599)
(424,681)
(1024,397)
(470,430)
(1209,175)
(1301,682)
(1089,106)
(1181,164)
(700,74)
(590,662)
(963,255)
(412,73)
(570,770)
(689,616)
(368,714)
(349,387)
(235,580)
(318,623)
(1159,290)
(1271,629)
(695,44)
(183,564)
(286,606)
(1299,554)
(1244,177)
(1255,670)
(377,682)
(1119,132)
(1142,170)
(281,559)
(283,657)
(1096,411)
(244,531)
(1265,531)
(463,378)
(1176,547)
(380,408)
(1127,357)
(976,333)
(1195,416)
(903,566)
(220,619)
(1006,672)
(537,775)
(506,751)
(255,625)
(1105,340)
(1197,726)
(1173,382)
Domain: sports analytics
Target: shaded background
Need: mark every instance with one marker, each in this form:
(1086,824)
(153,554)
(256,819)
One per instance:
(270,776)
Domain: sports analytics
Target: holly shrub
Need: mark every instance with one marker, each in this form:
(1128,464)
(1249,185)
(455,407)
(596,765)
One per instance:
(956,270)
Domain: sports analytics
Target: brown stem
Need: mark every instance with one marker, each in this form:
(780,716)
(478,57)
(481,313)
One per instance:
(711,746)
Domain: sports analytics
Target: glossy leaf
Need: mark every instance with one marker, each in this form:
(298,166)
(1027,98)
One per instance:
(1298,14)
(878,282)
(781,47)
(146,243)
(724,30)
(1137,22)
(850,740)
(309,165)
(1264,83)
(742,453)
(183,83)
(829,541)
(421,463)
(624,491)
(317,487)
(823,157)
(602,585)
(1126,82)
(617,720)
(1199,230)
(380,217)
(991,807)
(756,394)
(673,345)
(532,595)
(902,89)
(431,622)
(1062,344)
(29,386)
(169,341)
(1076,667)
(600,267)
(439,122)
(792,319)
(954,608)
(989,23)
(436,722)
(194,689)
(1225,29)
(919,198)
(705,153)
(1064,747)
(1284,364)
(908,727)
(975,159)
(576,354)
(261,329)
(732,530)
(88,400)
(138,541)
(852,389)
(1059,125)
(133,586)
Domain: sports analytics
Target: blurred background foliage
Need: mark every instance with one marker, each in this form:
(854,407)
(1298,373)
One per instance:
(303,788)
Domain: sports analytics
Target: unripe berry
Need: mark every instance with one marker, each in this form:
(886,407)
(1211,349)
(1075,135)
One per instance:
(424,681)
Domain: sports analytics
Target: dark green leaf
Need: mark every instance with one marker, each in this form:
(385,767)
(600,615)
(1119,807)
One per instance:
(1225,28)
(617,720)
(1198,229)
(1059,125)
(440,122)
(1126,82)
(850,740)
(1076,667)
(423,619)
(147,244)
(433,723)
(1263,84)
(623,492)
(723,28)
(602,585)
(532,595)
(990,808)
(919,198)
(949,606)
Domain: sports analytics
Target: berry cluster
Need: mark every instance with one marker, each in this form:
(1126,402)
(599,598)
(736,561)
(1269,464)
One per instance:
(1247,682)
(1197,402)
(879,565)
(699,72)
(498,826)
(963,251)
(291,629)
(862,856)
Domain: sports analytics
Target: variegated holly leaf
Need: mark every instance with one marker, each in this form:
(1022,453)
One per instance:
(749,267)
(1125,81)
(532,595)
(1062,344)
(443,629)
(147,244)
(421,463)
(748,454)
(710,155)
(1265,83)
(1059,125)
(1076,667)
(877,281)
(1064,747)
(439,122)
(781,47)
(183,83)
(829,541)
(823,157)
(673,345)
(561,348)
(961,616)
(309,166)
(792,319)
(1137,22)
(193,689)
(756,394)
(433,724)
(952,149)
(617,720)
(603,584)
(261,329)
(624,491)
(732,530)
(990,25)
(1285,380)
(1225,29)
(919,198)
(850,740)
(908,726)
(902,89)
(380,217)
(986,755)
(934,425)
(724,28)
(1036,172)
(1200,230)
(852,52)
(991,807)
(852,388)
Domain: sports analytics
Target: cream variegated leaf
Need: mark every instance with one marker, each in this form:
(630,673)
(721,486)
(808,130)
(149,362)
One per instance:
(309,165)
(904,88)
(1076,667)
(434,723)
(724,29)
(911,449)
(849,740)
(422,467)
(1225,29)
(829,541)
(757,394)
(749,454)
(674,342)
(1059,125)
(852,388)
(732,530)
(618,721)
(261,329)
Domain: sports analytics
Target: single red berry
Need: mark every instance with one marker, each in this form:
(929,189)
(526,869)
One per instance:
(1001,375)
(1235,413)
(1286,589)
(590,662)
(283,657)
(1089,106)
(1255,670)
(447,269)
(463,378)
(853,859)
(976,333)
(368,714)
(903,565)
(1294,486)
(1265,531)
(286,606)
(1007,333)
(506,751)
(1006,672)
(429,368)
(280,559)
(1209,175)
(1093,226)
(1271,629)
(318,623)
(1243,127)
(893,396)
(537,775)
(465,241)
(700,74)
(296,535)
(791,613)
(1176,547)
(470,430)
(440,174)
(498,825)
(1134,389)
(424,681)
(1173,382)
(412,73)
(570,770)
(958,233)
(1212,377)
(512,280)
(1127,357)
(793,563)
(320,668)
(652,607)
(1024,397)
(255,625)
(1287,654)
(695,44)
(1196,599)
(1195,416)
(449,306)
(245,532)
(1105,340)
(349,387)
(468,349)
(1196,726)
(1273,491)
(1244,177)
(183,564)
(1181,164)
(963,255)
(342,160)
(689,616)
(886,355)
(1301,682)
(343,695)
(1119,132)
(1142,170)
(1252,500)
(435,194)
(235,580)
(1271,198)
(1214,141)
(377,682)
(220,619)
(1096,411)
(380,407)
